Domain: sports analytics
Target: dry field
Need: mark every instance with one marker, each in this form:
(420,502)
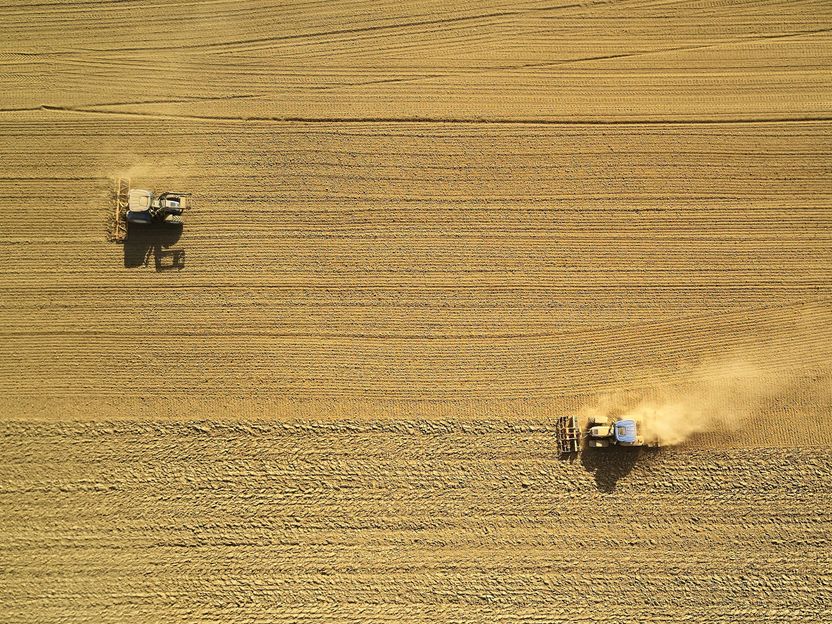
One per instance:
(396,522)
(421,231)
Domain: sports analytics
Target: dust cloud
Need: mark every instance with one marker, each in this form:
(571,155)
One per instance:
(722,397)
(146,170)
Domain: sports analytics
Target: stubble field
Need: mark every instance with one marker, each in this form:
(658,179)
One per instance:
(419,234)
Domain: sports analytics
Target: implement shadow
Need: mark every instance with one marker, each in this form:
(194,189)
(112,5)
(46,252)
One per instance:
(610,464)
(144,241)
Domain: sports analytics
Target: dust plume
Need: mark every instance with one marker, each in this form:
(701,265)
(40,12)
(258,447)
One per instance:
(723,398)
(143,170)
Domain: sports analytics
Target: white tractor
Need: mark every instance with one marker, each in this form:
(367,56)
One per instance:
(601,432)
(143,207)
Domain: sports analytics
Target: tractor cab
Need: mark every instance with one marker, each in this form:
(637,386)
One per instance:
(139,200)
(600,427)
(139,206)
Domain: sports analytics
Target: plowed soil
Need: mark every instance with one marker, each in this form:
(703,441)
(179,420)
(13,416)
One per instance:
(419,234)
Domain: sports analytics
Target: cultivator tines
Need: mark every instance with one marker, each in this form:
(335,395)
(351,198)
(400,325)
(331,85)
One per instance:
(568,434)
(119,228)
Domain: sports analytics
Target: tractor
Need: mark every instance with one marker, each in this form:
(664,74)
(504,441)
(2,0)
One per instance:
(601,432)
(145,208)
(142,207)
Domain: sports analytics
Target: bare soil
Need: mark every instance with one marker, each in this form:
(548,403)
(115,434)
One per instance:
(419,234)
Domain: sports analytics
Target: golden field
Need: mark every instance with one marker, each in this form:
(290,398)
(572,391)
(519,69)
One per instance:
(419,234)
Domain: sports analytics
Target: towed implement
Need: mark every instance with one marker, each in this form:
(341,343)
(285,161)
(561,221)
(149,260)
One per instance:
(568,434)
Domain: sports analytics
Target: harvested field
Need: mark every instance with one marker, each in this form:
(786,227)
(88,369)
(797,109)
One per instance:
(403,521)
(419,234)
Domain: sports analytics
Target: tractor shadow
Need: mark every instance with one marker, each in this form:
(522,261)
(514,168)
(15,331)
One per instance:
(609,465)
(144,241)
